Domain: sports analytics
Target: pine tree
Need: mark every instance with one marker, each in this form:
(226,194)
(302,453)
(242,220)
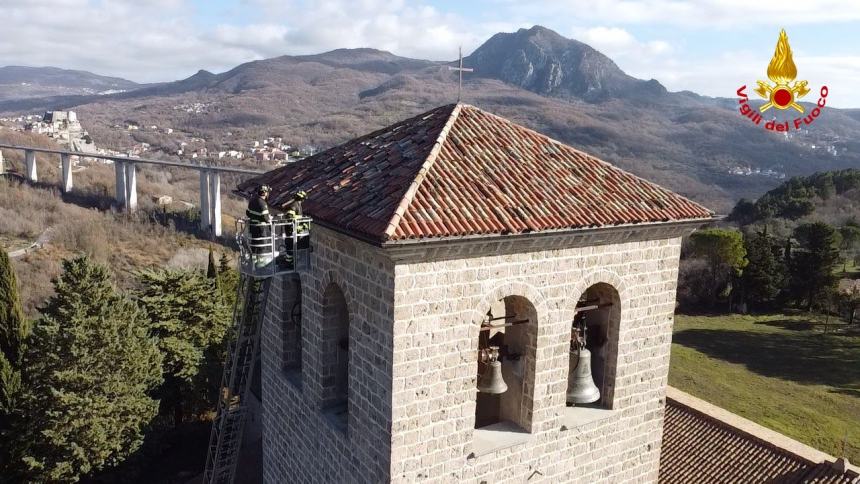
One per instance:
(725,254)
(14,330)
(812,262)
(90,368)
(764,275)
(189,319)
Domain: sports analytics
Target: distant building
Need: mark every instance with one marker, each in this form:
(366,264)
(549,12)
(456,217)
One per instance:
(279,155)
(65,128)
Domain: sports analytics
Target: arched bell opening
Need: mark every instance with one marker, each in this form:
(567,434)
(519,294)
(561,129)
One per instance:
(507,347)
(594,348)
(291,298)
(336,355)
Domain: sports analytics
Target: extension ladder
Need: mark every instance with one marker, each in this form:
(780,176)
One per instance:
(280,247)
(225,441)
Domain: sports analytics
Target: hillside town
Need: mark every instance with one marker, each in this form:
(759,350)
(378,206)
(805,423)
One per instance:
(65,128)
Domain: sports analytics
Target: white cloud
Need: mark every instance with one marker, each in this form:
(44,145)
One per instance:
(618,42)
(692,13)
(412,29)
(158,40)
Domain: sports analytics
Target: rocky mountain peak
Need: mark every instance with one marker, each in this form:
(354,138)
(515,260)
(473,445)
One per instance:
(543,61)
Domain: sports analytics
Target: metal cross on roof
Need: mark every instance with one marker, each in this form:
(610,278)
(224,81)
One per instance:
(460,70)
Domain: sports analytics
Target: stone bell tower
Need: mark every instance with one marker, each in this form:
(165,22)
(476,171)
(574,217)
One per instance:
(442,236)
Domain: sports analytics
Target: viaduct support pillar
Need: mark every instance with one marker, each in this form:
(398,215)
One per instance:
(30,162)
(119,169)
(130,187)
(205,211)
(215,202)
(67,173)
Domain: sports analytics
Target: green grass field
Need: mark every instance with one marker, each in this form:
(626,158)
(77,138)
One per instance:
(780,371)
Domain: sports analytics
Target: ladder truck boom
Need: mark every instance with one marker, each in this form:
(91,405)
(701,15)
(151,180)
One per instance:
(266,250)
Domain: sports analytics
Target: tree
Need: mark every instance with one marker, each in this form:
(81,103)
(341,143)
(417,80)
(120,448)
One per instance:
(850,301)
(850,235)
(228,280)
(724,252)
(14,326)
(187,316)
(211,270)
(224,263)
(764,275)
(90,367)
(813,258)
(744,213)
(14,330)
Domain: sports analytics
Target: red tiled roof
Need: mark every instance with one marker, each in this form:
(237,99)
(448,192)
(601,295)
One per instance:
(457,170)
(699,448)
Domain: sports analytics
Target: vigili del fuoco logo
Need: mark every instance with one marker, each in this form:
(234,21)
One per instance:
(783,92)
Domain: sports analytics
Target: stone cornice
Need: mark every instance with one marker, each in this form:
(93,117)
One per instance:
(425,250)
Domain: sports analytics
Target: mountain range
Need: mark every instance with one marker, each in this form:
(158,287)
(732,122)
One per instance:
(20,82)
(699,146)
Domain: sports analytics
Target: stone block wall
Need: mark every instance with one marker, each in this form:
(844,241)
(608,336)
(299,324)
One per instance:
(413,340)
(437,313)
(301,440)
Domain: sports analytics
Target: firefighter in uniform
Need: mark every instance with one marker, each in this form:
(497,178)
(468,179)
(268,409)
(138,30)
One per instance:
(293,211)
(259,220)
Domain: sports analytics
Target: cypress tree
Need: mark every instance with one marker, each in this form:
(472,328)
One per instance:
(14,329)
(764,276)
(812,262)
(211,269)
(224,263)
(90,368)
(228,280)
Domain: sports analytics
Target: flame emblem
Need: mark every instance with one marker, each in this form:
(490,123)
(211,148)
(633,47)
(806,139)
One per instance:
(782,71)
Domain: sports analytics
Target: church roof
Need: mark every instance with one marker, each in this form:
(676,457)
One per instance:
(699,447)
(457,170)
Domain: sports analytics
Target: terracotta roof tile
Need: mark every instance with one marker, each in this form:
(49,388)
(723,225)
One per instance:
(701,449)
(457,170)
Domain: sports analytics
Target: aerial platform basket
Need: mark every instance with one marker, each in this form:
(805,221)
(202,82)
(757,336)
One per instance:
(269,249)
(266,250)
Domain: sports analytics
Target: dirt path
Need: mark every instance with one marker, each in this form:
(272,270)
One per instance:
(43,239)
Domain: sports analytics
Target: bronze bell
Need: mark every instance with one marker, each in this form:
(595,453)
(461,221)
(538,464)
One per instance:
(580,384)
(491,380)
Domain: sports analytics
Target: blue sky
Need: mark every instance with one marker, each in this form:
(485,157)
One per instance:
(707,46)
